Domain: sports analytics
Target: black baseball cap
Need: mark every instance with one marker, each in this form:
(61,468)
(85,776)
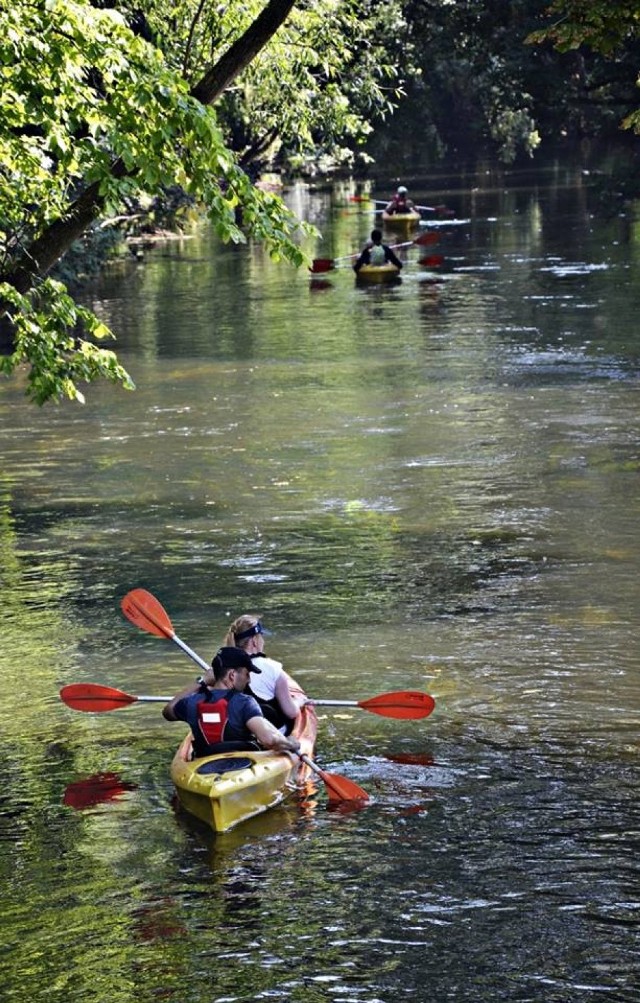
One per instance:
(232,658)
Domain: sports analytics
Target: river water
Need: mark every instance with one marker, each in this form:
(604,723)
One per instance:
(433,485)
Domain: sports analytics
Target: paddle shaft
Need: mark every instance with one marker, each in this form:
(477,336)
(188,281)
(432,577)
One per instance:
(427,208)
(327,264)
(343,257)
(346,257)
(335,703)
(191,653)
(312,766)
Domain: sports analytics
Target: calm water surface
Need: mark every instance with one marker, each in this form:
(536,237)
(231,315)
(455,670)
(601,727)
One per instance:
(433,485)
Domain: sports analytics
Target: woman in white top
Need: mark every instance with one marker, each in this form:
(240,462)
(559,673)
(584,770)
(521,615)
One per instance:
(270,688)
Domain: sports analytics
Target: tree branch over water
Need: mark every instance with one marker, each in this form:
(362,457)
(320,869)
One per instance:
(40,256)
(91,115)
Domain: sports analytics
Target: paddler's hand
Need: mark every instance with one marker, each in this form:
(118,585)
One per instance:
(292,744)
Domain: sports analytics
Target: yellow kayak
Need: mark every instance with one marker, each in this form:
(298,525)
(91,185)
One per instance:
(228,788)
(378,273)
(403,220)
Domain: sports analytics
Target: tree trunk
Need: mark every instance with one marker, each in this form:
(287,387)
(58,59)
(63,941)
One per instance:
(258,148)
(49,247)
(242,52)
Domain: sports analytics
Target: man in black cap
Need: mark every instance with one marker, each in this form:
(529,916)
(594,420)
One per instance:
(221,716)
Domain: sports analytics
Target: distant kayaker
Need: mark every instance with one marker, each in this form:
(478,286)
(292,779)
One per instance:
(400,202)
(271,687)
(221,716)
(376,253)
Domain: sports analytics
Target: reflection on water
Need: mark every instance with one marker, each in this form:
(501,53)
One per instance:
(427,486)
(97,789)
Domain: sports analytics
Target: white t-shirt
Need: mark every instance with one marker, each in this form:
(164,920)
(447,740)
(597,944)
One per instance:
(263,683)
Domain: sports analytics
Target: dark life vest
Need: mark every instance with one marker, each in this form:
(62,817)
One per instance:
(273,712)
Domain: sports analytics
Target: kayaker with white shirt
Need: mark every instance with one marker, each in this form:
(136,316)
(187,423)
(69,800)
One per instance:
(376,253)
(270,687)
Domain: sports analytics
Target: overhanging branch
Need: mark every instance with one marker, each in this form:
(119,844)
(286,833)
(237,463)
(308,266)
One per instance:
(242,52)
(42,254)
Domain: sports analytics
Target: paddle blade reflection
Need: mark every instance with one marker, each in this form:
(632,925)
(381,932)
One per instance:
(97,789)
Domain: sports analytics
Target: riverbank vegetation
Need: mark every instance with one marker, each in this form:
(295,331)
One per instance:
(106,106)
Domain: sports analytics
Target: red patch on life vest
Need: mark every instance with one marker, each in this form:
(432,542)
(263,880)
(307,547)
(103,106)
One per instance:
(212,718)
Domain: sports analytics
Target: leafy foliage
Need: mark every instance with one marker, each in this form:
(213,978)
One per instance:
(483,89)
(330,74)
(612,30)
(80,93)
(313,94)
(475,89)
(605,27)
(44,326)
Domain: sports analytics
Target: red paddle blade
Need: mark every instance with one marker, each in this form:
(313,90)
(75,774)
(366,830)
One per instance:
(338,788)
(432,260)
(341,789)
(322,265)
(91,697)
(427,238)
(407,704)
(146,612)
(360,198)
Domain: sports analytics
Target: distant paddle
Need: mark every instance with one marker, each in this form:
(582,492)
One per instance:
(328,264)
(442,210)
(432,261)
(428,237)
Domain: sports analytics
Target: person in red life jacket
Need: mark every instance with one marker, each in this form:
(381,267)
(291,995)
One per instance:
(271,687)
(221,716)
(399,203)
(376,253)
